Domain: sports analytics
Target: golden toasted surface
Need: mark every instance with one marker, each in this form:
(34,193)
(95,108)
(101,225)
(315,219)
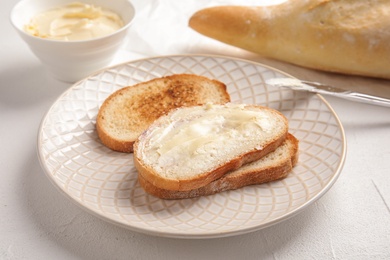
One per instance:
(129,111)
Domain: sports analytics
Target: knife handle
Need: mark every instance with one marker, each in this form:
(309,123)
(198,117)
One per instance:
(365,98)
(315,87)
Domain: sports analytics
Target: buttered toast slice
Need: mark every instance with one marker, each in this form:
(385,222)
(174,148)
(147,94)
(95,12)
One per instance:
(274,166)
(126,113)
(193,146)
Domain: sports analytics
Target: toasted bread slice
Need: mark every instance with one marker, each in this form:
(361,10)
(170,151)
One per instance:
(126,113)
(274,166)
(191,147)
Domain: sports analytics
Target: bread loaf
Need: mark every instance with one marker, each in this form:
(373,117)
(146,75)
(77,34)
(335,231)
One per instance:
(344,36)
(129,111)
(192,146)
(274,166)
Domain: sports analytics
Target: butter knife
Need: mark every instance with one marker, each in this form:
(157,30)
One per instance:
(324,89)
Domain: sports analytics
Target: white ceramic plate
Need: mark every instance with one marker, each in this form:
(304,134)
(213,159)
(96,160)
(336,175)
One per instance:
(105,182)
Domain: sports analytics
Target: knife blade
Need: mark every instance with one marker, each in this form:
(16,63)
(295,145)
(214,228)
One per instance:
(323,89)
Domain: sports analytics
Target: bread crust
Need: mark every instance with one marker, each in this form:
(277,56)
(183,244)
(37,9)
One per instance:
(235,179)
(130,110)
(349,37)
(203,179)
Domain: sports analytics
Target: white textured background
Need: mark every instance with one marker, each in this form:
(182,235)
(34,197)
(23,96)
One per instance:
(352,221)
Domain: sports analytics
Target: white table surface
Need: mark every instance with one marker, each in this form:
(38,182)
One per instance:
(351,221)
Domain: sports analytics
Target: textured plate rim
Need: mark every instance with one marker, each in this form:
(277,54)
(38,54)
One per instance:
(229,233)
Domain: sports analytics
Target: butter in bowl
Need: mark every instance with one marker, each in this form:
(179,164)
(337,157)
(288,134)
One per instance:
(73,39)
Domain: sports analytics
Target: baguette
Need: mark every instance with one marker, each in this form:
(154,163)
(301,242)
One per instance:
(343,36)
(191,147)
(126,113)
(274,166)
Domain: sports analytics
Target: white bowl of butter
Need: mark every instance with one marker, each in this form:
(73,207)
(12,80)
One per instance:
(73,39)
